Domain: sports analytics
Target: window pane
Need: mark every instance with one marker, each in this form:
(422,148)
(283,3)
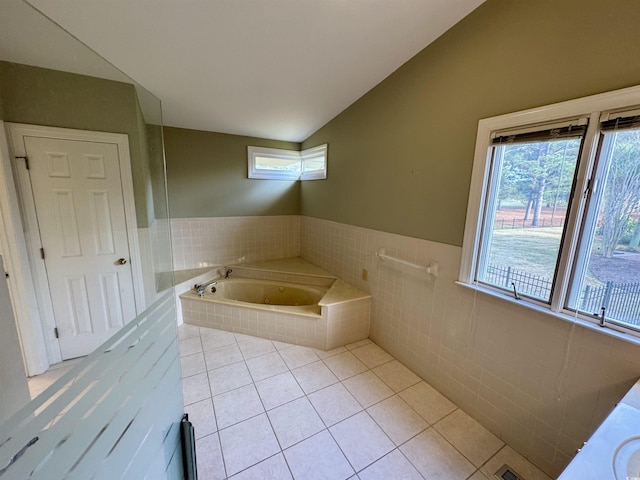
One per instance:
(609,273)
(274,163)
(312,164)
(525,214)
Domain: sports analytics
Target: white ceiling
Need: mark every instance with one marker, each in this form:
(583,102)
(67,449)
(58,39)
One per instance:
(267,68)
(29,38)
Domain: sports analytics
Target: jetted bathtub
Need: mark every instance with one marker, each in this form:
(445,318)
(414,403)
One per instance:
(267,295)
(326,314)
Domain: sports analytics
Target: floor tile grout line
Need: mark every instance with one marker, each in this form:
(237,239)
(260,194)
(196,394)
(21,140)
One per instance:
(430,425)
(316,410)
(403,455)
(494,455)
(304,439)
(317,413)
(355,472)
(397,447)
(266,414)
(217,434)
(248,418)
(504,444)
(340,381)
(215,419)
(407,440)
(224,462)
(345,455)
(270,376)
(395,394)
(254,381)
(344,419)
(378,365)
(407,458)
(454,447)
(305,395)
(281,452)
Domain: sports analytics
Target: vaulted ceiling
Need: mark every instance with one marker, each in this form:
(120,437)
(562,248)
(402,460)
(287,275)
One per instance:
(267,68)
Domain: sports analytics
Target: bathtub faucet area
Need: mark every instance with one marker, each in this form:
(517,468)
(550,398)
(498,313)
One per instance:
(202,287)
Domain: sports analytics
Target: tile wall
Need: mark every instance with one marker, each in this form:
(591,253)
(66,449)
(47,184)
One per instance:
(148,273)
(211,241)
(155,255)
(347,322)
(298,329)
(540,383)
(159,232)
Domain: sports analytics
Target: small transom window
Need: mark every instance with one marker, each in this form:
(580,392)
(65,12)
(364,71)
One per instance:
(278,164)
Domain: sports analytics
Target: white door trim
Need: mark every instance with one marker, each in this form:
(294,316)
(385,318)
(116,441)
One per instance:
(16,133)
(21,284)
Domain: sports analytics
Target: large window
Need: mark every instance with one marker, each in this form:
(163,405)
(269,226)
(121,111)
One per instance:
(531,179)
(554,210)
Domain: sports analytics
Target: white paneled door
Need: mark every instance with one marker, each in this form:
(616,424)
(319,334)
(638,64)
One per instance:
(78,196)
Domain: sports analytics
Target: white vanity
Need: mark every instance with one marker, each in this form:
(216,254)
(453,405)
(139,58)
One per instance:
(613,451)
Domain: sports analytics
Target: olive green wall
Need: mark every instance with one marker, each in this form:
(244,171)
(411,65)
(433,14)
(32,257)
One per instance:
(207,177)
(49,97)
(143,169)
(157,167)
(400,157)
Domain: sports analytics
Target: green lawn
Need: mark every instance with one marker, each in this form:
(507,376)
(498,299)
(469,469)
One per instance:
(532,250)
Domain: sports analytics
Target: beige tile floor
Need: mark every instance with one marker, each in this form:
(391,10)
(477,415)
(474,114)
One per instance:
(40,383)
(269,410)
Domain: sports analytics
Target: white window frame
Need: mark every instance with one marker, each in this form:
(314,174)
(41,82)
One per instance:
(320,150)
(300,156)
(592,107)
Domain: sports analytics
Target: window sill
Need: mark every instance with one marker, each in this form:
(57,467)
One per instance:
(609,330)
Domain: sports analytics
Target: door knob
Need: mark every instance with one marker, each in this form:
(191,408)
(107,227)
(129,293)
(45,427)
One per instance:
(121,261)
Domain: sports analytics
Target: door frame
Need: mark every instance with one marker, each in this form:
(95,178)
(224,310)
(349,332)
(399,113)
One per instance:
(25,307)
(17,132)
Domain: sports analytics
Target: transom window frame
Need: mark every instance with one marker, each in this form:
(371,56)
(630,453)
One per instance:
(297,156)
(594,108)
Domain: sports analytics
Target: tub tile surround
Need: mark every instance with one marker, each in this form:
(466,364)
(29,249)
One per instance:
(541,384)
(305,423)
(212,241)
